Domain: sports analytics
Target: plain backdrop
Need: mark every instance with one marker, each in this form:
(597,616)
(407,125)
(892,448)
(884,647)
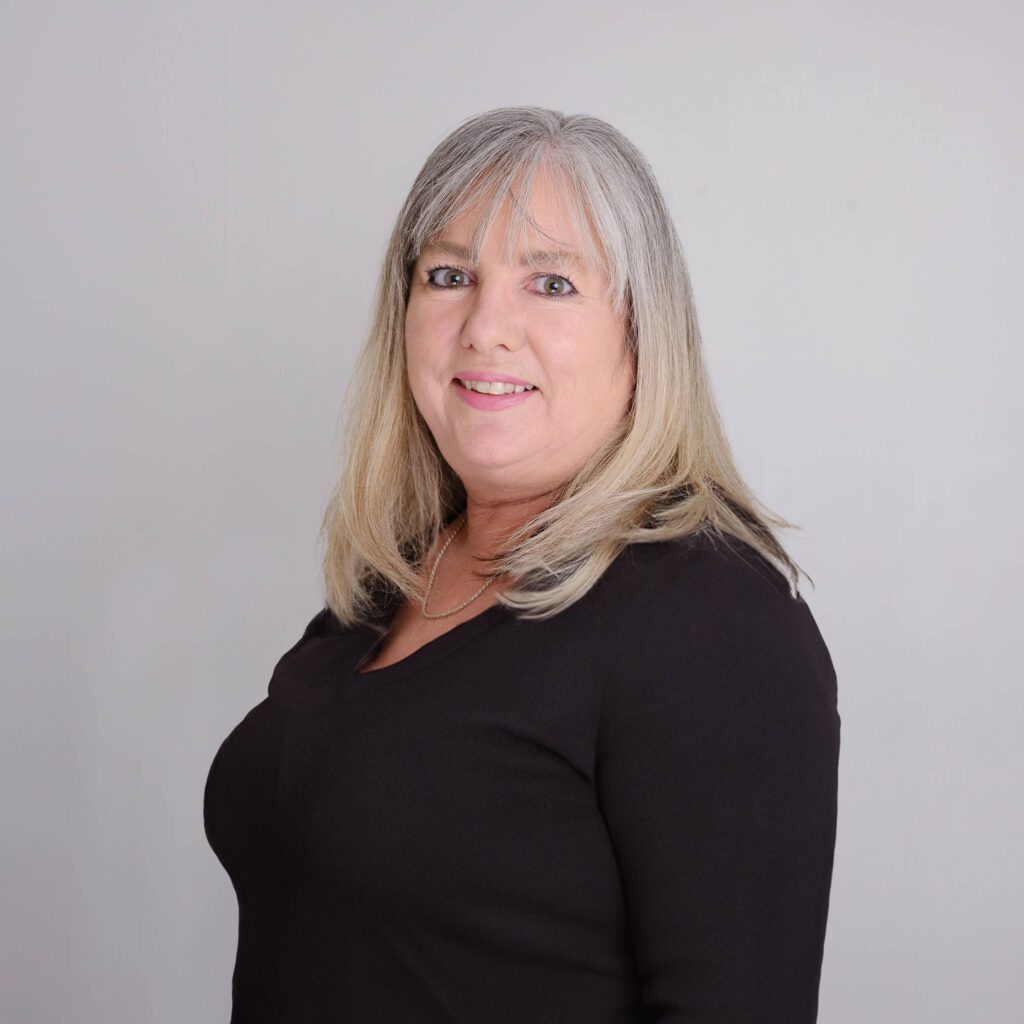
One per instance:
(195,201)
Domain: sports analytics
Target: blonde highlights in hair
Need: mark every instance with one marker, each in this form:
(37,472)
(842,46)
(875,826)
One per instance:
(667,471)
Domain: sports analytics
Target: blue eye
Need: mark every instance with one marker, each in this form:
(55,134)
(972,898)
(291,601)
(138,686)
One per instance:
(454,278)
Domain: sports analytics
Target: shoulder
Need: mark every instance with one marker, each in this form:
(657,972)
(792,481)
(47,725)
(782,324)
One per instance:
(714,581)
(324,623)
(710,619)
(307,667)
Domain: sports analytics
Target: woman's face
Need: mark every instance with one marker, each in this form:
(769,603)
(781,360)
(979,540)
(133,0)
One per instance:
(551,327)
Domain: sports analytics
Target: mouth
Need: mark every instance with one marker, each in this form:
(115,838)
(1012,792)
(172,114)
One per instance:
(493,401)
(513,386)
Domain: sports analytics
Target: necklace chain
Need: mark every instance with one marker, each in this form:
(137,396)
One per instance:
(433,572)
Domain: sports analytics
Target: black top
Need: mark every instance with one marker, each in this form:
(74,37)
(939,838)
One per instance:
(624,813)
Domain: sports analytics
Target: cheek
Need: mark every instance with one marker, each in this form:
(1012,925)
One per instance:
(600,373)
(424,378)
(413,333)
(427,333)
(417,343)
(421,381)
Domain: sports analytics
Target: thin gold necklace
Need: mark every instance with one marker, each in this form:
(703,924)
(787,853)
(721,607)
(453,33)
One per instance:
(433,572)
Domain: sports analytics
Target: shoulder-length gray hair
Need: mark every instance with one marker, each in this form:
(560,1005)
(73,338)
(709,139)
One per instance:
(667,471)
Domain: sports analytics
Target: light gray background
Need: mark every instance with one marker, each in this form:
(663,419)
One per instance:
(196,198)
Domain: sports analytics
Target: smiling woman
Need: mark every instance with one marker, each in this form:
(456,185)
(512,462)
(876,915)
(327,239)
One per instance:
(494,318)
(562,744)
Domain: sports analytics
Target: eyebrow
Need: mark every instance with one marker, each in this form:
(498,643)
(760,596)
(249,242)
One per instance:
(536,255)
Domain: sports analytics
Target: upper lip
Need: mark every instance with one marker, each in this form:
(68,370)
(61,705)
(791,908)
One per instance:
(503,378)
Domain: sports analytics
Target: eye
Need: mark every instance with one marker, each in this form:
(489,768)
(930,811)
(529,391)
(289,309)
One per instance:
(448,278)
(452,274)
(559,281)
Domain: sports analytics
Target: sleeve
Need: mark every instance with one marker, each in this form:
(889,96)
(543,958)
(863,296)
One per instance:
(717,772)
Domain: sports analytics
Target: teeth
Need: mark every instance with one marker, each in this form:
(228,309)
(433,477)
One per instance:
(495,387)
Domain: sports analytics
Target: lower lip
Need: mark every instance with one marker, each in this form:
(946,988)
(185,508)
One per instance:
(492,403)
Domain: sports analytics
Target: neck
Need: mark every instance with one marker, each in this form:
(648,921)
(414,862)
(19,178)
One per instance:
(489,523)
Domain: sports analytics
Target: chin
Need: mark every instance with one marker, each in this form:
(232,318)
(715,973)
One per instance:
(488,459)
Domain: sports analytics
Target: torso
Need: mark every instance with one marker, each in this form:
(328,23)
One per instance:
(410,630)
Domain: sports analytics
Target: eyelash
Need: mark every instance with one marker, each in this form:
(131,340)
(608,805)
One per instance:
(448,266)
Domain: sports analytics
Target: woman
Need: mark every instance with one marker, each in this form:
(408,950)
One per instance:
(562,744)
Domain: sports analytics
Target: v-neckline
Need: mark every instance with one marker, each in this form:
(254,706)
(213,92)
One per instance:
(426,654)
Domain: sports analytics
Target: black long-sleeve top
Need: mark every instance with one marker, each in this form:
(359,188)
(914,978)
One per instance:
(624,813)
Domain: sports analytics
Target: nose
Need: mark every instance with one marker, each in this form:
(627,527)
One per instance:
(492,318)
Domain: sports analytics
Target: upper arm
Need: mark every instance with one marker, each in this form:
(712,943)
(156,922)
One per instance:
(717,776)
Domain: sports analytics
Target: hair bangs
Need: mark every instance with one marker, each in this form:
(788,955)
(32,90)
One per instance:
(508,184)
